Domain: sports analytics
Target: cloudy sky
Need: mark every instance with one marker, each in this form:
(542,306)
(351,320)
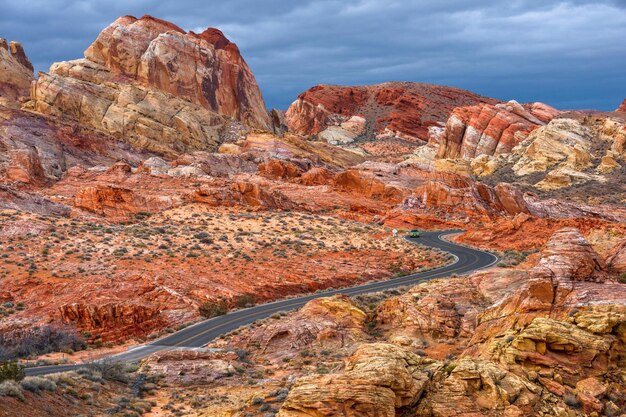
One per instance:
(570,54)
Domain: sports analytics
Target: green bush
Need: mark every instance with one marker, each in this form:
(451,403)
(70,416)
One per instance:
(37,383)
(622,278)
(244,300)
(11,389)
(11,370)
(211,309)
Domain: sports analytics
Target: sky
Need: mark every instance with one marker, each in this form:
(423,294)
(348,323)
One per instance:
(569,54)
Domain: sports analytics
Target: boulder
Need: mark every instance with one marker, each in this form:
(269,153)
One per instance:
(378,379)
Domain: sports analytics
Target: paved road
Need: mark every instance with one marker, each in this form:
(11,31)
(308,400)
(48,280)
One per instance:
(199,334)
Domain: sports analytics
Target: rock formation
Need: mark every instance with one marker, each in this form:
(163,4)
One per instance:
(488,129)
(16,74)
(622,107)
(332,322)
(147,82)
(206,68)
(378,379)
(573,153)
(112,320)
(549,340)
(402,110)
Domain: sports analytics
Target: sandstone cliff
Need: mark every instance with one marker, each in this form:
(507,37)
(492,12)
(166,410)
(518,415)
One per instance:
(16,73)
(147,82)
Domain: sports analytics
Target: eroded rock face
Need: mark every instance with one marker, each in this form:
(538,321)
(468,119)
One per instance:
(403,110)
(378,378)
(332,322)
(16,73)
(206,68)
(148,83)
(622,107)
(490,129)
(568,255)
(566,319)
(568,157)
(480,388)
(111,319)
(617,259)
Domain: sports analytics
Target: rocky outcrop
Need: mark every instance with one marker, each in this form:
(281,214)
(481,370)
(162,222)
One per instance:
(111,319)
(366,184)
(481,388)
(622,107)
(568,255)
(444,310)
(567,318)
(148,83)
(16,73)
(572,152)
(279,122)
(383,380)
(490,129)
(331,322)
(616,260)
(24,166)
(378,379)
(563,141)
(403,110)
(187,367)
(35,149)
(206,69)
(13,199)
(467,198)
(283,169)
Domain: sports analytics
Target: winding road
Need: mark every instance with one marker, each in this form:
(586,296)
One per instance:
(466,260)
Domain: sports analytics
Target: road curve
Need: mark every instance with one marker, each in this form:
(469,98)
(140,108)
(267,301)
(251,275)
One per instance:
(466,260)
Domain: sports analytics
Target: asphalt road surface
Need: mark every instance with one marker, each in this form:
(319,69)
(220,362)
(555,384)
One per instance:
(466,260)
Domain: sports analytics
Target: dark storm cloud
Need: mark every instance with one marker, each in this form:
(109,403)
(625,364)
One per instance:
(571,54)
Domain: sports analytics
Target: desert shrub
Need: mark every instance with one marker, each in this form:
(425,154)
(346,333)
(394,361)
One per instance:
(622,278)
(211,309)
(110,370)
(37,383)
(11,389)
(38,341)
(11,370)
(244,300)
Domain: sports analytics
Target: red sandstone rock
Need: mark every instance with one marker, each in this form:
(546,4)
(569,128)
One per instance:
(366,184)
(317,176)
(280,169)
(112,318)
(147,83)
(568,255)
(25,167)
(205,68)
(487,129)
(617,258)
(404,110)
(16,73)
(622,107)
